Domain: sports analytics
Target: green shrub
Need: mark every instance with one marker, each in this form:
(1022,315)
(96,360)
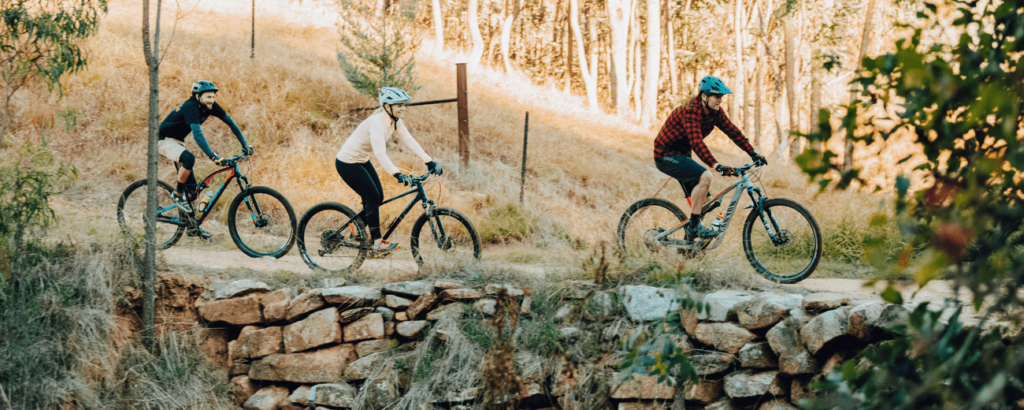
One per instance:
(508,222)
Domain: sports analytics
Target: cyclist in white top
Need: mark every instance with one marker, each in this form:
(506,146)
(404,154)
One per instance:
(353,160)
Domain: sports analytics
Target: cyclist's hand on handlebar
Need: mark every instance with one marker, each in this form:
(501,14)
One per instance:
(759,159)
(434,168)
(247,150)
(221,162)
(403,179)
(725,171)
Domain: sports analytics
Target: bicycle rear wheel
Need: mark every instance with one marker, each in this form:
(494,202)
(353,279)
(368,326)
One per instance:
(447,237)
(262,222)
(327,243)
(789,249)
(645,219)
(131,214)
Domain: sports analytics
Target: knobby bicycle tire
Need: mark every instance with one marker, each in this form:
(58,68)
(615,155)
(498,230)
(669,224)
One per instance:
(310,237)
(638,206)
(814,241)
(467,235)
(266,237)
(123,217)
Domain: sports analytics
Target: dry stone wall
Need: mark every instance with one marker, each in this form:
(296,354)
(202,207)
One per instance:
(338,346)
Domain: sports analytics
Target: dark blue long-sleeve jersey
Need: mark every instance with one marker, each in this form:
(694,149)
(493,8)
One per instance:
(188,117)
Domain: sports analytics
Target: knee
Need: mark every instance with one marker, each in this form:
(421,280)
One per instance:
(187,160)
(705,178)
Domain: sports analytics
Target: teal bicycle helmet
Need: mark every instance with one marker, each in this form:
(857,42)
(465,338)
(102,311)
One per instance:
(203,86)
(712,85)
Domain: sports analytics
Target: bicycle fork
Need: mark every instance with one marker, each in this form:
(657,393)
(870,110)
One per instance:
(436,228)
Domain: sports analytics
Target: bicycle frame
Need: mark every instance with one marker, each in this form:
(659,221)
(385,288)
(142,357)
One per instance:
(235,173)
(421,196)
(744,184)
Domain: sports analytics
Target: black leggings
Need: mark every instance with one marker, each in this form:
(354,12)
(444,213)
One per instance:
(188,161)
(363,179)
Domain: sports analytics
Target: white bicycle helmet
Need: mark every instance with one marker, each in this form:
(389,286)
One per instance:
(393,95)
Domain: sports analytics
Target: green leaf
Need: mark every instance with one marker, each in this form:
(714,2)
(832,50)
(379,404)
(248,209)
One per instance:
(891,295)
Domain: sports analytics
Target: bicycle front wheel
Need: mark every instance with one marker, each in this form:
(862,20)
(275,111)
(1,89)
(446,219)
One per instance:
(446,237)
(131,214)
(262,222)
(783,242)
(329,242)
(645,219)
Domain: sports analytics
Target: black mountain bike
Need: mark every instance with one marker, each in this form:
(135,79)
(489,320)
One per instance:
(787,250)
(260,219)
(333,237)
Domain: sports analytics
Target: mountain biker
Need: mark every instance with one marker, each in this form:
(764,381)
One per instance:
(353,160)
(684,131)
(185,120)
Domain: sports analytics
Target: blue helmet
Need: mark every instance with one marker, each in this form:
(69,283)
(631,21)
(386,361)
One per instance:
(203,86)
(712,85)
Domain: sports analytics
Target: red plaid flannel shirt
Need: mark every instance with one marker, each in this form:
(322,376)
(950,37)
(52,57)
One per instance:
(686,128)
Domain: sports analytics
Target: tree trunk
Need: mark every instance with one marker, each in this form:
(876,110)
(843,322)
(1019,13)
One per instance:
(474,33)
(152,55)
(742,67)
(777,103)
(671,48)
(815,104)
(757,97)
(791,96)
(734,103)
(569,53)
(637,67)
(506,31)
(592,45)
(588,78)
(619,19)
(438,26)
(652,75)
(864,43)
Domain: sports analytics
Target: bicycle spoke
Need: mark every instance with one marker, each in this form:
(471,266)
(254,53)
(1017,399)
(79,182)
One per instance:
(644,224)
(132,214)
(328,243)
(262,225)
(783,243)
(446,239)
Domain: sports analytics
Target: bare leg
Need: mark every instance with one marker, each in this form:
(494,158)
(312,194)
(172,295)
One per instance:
(700,193)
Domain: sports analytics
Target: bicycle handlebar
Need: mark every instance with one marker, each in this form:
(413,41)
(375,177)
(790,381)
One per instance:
(230,162)
(742,169)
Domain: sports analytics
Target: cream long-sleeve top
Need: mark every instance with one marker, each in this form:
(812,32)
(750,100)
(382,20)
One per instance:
(370,136)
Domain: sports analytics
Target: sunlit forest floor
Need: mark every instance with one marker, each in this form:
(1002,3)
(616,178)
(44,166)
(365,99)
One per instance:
(292,101)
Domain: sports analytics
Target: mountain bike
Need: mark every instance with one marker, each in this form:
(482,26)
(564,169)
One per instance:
(333,237)
(261,221)
(786,250)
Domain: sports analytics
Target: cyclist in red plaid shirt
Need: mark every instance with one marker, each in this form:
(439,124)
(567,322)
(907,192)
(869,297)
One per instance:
(683,133)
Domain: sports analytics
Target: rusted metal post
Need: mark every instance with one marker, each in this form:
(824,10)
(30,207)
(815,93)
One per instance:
(526,133)
(252,54)
(463,103)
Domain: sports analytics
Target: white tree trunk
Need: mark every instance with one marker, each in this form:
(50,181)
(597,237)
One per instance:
(619,20)
(588,79)
(474,33)
(438,27)
(651,75)
(506,31)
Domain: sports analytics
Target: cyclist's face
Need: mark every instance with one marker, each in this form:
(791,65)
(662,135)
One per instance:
(714,101)
(207,99)
(399,110)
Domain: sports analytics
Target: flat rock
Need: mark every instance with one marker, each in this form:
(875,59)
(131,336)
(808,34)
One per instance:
(863,320)
(758,356)
(259,343)
(348,297)
(353,315)
(387,313)
(824,328)
(893,317)
(486,306)
(275,305)
(318,366)
(569,333)
(369,347)
(826,300)
(214,345)
(748,384)
(243,388)
(720,305)
(421,306)
(410,289)
(225,289)
(562,312)
(447,284)
(335,394)
(241,311)
(397,302)
(361,369)
(644,387)
(449,311)
(727,337)
(512,290)
(305,303)
(723,404)
(784,339)
(798,363)
(401,316)
(777,404)
(412,329)
(708,364)
(765,310)
(646,303)
(369,327)
(318,329)
(238,369)
(799,389)
(689,320)
(598,308)
(267,398)
(300,396)
(461,294)
(707,391)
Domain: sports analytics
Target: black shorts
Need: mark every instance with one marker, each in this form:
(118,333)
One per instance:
(684,169)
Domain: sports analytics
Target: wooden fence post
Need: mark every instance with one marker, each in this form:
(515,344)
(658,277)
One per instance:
(463,108)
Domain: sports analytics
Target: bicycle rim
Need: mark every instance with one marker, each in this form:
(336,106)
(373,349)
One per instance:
(446,239)
(328,245)
(262,223)
(643,221)
(131,212)
(795,253)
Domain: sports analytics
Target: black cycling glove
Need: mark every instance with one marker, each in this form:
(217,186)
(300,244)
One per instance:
(434,168)
(403,179)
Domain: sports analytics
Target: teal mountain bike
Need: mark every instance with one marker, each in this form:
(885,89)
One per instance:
(781,238)
(261,221)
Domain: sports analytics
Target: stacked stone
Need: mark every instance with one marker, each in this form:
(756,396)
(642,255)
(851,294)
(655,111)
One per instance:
(752,351)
